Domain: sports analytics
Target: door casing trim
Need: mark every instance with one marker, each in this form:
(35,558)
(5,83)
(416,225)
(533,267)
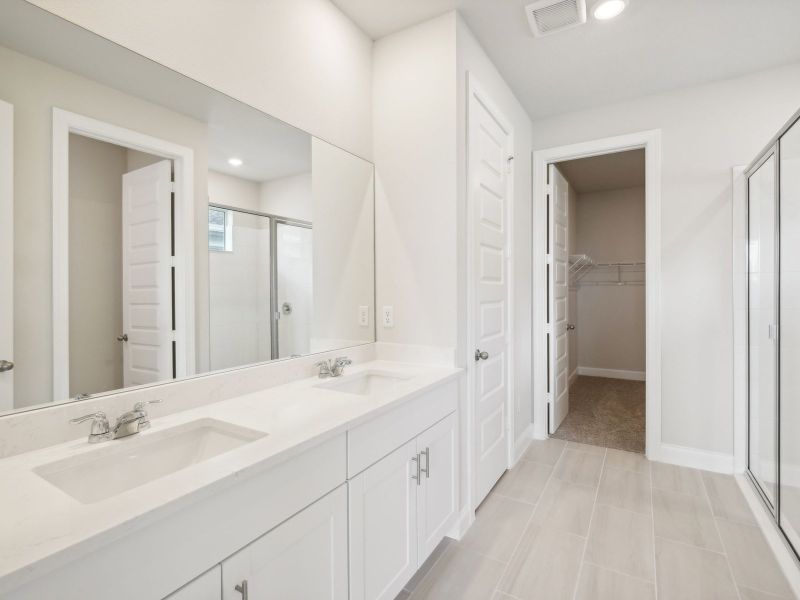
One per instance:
(650,141)
(65,123)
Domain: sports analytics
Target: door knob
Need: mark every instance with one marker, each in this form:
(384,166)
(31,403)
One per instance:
(6,365)
(570,327)
(481,355)
(122,338)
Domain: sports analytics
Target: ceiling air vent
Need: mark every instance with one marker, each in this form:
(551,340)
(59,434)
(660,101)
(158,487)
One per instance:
(552,16)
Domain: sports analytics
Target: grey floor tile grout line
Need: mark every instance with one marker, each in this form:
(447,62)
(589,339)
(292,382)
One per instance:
(618,572)
(689,545)
(525,502)
(589,529)
(721,540)
(527,524)
(653,524)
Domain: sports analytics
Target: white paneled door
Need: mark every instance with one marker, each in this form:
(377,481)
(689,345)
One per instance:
(6,256)
(147,312)
(558,313)
(489,169)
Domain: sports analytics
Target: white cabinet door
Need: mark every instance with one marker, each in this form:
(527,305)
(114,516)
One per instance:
(383,526)
(437,501)
(304,558)
(206,587)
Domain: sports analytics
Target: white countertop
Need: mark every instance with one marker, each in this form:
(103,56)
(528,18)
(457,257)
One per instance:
(42,528)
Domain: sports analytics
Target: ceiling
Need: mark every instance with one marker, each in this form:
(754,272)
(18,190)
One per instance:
(268,147)
(615,171)
(653,47)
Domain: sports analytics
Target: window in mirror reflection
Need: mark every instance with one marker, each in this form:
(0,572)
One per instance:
(220,229)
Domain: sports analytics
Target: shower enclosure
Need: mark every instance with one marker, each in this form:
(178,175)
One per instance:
(260,287)
(773,328)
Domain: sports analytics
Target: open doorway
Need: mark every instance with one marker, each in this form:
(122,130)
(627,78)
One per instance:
(121,296)
(605,263)
(597,300)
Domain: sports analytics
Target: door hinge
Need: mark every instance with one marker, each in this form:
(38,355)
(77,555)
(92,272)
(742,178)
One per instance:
(509,164)
(549,189)
(548,259)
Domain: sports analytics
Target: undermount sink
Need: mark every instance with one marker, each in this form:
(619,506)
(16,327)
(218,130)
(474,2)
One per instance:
(118,466)
(364,384)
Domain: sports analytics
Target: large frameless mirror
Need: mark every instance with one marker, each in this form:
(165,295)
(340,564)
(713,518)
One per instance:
(161,229)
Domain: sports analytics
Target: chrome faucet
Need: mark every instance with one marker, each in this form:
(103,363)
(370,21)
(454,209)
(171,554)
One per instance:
(128,423)
(333,368)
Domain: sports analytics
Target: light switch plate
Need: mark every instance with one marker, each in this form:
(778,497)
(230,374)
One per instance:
(363,316)
(388,316)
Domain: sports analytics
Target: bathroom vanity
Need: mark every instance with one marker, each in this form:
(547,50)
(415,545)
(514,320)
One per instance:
(329,488)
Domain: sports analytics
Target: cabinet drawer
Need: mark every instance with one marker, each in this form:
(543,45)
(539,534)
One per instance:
(368,443)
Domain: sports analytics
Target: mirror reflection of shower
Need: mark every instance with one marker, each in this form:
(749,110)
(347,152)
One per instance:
(260,281)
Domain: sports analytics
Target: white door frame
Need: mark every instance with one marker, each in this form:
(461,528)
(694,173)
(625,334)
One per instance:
(7,247)
(650,141)
(64,123)
(474,89)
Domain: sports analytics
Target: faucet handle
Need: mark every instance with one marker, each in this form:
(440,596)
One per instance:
(141,406)
(100,428)
(343,361)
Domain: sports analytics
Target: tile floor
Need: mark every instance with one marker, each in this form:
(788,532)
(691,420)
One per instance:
(582,522)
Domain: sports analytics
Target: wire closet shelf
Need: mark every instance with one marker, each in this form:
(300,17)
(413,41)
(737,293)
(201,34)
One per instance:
(584,271)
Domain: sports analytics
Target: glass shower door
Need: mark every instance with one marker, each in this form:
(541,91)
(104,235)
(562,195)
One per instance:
(789,500)
(763,328)
(294,279)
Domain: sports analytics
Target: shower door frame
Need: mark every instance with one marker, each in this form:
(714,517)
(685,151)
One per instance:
(773,147)
(274,220)
(769,152)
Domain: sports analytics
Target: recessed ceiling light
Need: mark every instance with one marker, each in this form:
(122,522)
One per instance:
(235,162)
(608,9)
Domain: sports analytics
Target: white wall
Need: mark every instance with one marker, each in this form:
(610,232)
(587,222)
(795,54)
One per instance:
(235,192)
(706,130)
(609,227)
(415,135)
(342,192)
(289,196)
(301,61)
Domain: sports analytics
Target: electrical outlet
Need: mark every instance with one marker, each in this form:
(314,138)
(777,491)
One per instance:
(388,316)
(363,316)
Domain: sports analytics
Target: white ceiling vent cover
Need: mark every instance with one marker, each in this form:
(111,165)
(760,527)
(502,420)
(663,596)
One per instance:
(551,16)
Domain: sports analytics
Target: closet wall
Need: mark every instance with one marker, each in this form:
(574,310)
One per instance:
(610,326)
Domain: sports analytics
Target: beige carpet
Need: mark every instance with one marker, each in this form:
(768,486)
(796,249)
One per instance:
(605,412)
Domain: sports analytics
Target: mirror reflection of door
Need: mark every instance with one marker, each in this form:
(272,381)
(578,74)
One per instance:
(295,281)
(120,252)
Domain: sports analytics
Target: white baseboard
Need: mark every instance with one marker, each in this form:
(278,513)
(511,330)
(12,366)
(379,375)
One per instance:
(695,458)
(573,376)
(783,554)
(612,373)
(465,519)
(522,443)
